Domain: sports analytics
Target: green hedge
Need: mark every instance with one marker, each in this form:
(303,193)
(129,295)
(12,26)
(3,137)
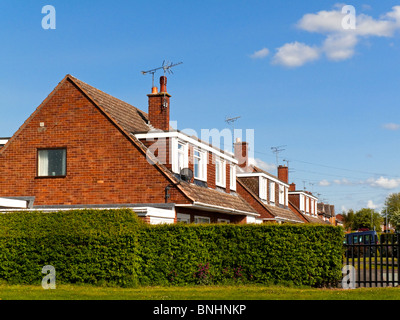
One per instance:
(115,247)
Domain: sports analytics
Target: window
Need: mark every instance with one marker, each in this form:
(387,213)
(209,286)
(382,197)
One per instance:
(183,218)
(263,188)
(272,191)
(52,162)
(182,156)
(224,221)
(301,202)
(198,219)
(232,177)
(307,205)
(220,172)
(281,194)
(199,165)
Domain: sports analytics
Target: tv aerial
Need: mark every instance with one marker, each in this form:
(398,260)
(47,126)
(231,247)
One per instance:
(231,122)
(166,67)
(277,150)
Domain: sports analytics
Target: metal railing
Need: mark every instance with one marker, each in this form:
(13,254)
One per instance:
(375,264)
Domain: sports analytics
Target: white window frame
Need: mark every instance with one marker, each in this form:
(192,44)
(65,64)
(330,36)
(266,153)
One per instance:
(301,202)
(202,164)
(220,177)
(281,194)
(198,218)
(307,199)
(176,151)
(262,188)
(232,177)
(272,192)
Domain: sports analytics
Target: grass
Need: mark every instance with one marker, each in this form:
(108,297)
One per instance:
(239,292)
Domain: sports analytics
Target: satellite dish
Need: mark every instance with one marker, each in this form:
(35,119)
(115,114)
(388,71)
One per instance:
(186,174)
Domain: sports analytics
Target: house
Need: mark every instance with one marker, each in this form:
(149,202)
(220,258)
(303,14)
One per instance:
(326,212)
(266,193)
(83,148)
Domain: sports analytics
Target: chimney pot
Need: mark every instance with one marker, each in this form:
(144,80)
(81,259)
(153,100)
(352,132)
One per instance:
(163,84)
(154,90)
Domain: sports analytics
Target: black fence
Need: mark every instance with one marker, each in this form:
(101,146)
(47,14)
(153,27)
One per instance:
(372,261)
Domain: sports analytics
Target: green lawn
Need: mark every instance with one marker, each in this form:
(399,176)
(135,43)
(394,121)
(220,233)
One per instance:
(240,292)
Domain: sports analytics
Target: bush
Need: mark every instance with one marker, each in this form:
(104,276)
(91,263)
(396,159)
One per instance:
(114,247)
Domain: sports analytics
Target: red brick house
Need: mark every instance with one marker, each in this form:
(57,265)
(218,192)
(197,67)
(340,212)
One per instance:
(82,148)
(267,193)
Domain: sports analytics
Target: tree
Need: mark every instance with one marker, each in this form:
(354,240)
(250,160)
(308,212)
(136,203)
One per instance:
(395,219)
(368,219)
(392,204)
(348,219)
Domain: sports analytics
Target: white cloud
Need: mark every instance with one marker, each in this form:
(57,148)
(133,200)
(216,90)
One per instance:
(262,164)
(384,183)
(324,183)
(260,54)
(340,43)
(295,54)
(371,205)
(391,126)
(339,46)
(343,181)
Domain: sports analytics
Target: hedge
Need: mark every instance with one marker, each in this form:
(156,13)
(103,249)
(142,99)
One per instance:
(116,247)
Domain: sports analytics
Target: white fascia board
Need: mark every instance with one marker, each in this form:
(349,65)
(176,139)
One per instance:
(13,203)
(261,174)
(3,141)
(154,212)
(183,137)
(304,194)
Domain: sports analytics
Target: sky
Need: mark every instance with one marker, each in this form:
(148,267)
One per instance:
(317,80)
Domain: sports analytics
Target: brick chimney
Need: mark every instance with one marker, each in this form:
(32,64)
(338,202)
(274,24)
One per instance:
(292,187)
(159,106)
(283,173)
(242,153)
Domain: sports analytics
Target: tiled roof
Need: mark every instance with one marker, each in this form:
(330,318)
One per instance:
(277,212)
(216,198)
(126,115)
(133,120)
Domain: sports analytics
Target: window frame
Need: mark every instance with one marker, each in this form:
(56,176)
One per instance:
(262,188)
(38,176)
(232,177)
(222,173)
(201,217)
(202,164)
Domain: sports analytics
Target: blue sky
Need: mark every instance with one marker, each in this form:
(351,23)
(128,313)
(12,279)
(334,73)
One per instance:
(289,69)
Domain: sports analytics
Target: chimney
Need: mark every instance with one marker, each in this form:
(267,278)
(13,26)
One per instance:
(159,106)
(283,173)
(242,153)
(292,187)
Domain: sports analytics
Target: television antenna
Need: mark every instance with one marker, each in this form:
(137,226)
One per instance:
(166,66)
(231,122)
(277,150)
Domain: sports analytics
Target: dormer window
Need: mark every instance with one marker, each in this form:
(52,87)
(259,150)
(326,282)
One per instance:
(263,188)
(232,177)
(199,164)
(220,173)
(272,192)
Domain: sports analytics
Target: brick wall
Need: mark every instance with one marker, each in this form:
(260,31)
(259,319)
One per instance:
(103,166)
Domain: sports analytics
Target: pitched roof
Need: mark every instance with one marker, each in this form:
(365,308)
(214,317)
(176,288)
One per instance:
(275,211)
(130,118)
(133,120)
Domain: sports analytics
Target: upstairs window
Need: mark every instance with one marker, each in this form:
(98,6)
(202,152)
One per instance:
(272,191)
(281,194)
(199,165)
(220,172)
(232,177)
(52,162)
(263,188)
(182,156)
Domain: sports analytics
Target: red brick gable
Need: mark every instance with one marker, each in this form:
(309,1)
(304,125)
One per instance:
(104,164)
